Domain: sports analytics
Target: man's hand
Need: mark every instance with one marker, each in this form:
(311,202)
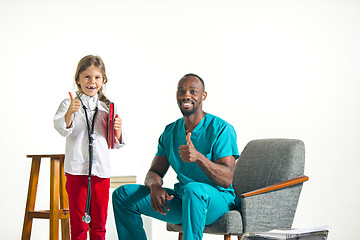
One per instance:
(159,198)
(153,181)
(219,172)
(188,153)
(74,106)
(117,127)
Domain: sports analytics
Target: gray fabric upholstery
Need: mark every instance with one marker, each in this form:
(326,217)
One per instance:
(230,222)
(262,163)
(270,210)
(268,161)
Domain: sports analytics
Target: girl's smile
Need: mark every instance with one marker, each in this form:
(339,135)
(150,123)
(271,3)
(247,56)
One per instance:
(91,81)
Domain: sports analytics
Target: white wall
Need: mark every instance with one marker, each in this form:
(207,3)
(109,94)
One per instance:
(279,69)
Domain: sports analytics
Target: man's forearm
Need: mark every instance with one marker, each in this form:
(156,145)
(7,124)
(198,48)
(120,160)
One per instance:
(219,174)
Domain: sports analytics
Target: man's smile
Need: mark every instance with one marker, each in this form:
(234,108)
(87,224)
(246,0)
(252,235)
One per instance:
(186,103)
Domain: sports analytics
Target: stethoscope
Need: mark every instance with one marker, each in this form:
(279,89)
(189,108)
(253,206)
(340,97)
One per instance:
(86,218)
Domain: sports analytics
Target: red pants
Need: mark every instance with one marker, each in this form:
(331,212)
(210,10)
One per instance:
(76,187)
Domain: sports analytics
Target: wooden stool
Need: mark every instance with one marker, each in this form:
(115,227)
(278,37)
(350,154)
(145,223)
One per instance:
(57,187)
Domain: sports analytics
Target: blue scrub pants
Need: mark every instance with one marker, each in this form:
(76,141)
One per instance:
(199,205)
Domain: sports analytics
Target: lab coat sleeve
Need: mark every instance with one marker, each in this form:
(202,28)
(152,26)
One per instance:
(59,119)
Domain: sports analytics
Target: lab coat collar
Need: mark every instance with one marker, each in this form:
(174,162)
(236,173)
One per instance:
(86,98)
(90,102)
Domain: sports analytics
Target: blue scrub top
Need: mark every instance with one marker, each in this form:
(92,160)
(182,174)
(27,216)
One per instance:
(212,137)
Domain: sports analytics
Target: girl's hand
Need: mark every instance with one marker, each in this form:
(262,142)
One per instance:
(117,127)
(74,106)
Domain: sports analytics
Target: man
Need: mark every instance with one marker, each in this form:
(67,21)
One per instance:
(201,148)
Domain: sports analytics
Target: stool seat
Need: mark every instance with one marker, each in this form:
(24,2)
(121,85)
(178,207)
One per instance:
(59,204)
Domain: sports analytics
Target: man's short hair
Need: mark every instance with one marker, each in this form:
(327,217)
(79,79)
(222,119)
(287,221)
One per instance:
(194,75)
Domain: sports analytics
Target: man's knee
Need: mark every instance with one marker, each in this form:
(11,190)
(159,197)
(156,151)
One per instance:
(196,190)
(121,194)
(130,194)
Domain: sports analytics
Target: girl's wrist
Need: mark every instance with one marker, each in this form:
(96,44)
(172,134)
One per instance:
(68,119)
(118,136)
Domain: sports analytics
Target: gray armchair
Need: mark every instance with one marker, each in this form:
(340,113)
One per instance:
(268,178)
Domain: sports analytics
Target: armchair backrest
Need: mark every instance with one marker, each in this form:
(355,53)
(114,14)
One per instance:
(265,162)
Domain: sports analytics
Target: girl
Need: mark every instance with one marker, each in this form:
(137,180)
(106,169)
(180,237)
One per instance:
(71,121)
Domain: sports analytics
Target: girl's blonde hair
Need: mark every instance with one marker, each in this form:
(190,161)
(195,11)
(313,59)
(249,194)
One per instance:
(86,62)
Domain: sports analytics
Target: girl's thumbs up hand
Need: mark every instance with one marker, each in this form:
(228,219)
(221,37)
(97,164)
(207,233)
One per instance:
(71,96)
(188,153)
(75,104)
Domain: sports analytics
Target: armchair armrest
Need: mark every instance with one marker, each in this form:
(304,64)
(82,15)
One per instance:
(277,186)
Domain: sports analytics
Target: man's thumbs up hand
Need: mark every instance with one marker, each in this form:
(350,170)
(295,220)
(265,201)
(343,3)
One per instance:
(188,140)
(188,153)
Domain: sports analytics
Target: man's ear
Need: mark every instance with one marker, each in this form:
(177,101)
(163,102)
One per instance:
(204,96)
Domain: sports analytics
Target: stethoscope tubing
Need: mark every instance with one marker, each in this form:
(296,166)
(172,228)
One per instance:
(86,218)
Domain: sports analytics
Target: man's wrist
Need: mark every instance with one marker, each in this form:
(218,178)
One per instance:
(200,158)
(154,185)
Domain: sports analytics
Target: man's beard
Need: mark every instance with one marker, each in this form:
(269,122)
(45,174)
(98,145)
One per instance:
(188,113)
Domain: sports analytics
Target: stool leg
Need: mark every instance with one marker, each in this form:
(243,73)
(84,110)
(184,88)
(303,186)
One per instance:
(64,203)
(30,203)
(54,198)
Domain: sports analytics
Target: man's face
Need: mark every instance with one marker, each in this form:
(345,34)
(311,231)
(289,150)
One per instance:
(190,94)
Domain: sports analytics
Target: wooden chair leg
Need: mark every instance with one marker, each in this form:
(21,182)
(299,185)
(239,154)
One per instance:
(180,236)
(31,197)
(64,203)
(54,198)
(227,237)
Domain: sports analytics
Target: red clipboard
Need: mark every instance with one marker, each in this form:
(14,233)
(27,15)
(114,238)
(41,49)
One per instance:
(111,131)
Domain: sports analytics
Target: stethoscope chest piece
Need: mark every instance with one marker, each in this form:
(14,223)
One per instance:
(86,218)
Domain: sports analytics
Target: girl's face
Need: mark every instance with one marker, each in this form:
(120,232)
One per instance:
(91,80)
